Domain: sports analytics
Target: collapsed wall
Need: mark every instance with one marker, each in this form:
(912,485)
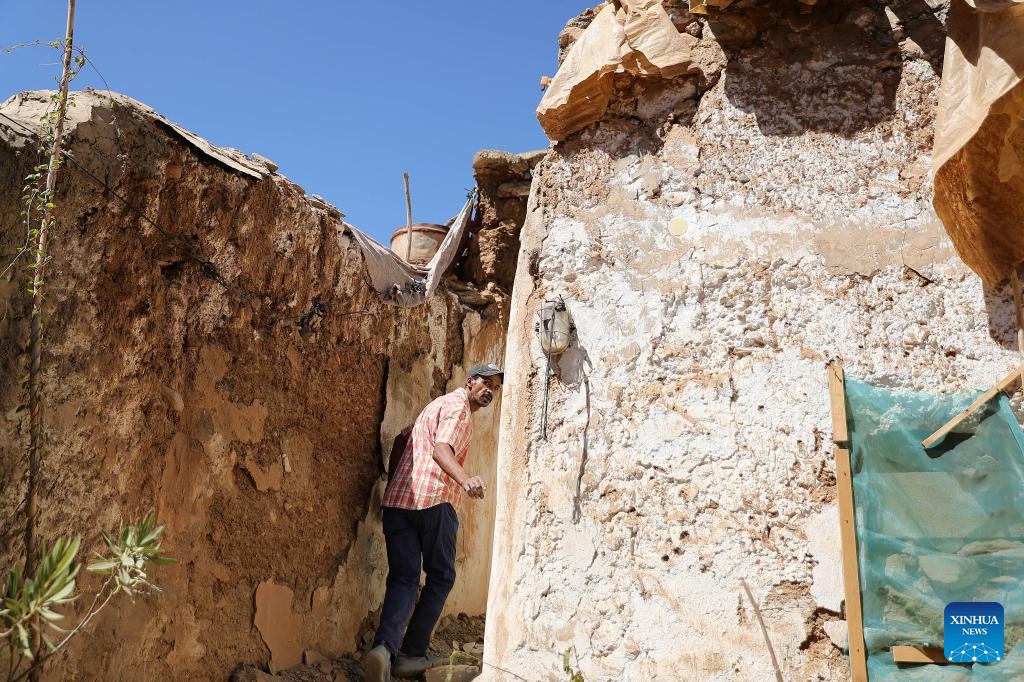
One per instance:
(718,237)
(214,353)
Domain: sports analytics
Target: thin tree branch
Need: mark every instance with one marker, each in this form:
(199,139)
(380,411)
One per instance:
(764,630)
(35,339)
(89,615)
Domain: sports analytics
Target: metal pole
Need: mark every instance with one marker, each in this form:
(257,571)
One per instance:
(547,371)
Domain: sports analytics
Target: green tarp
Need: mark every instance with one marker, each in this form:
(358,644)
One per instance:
(935,526)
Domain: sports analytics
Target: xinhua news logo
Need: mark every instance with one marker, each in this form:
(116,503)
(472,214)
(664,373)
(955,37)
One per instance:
(973,632)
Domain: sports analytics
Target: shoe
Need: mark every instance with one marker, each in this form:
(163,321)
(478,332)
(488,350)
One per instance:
(377,664)
(413,666)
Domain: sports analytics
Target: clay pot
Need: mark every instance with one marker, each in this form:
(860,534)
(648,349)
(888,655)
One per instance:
(426,238)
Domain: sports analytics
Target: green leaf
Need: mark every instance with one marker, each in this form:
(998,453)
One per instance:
(62,595)
(69,553)
(151,536)
(26,650)
(49,615)
(13,578)
(103,566)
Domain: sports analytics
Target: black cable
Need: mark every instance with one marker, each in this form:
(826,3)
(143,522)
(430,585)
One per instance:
(70,157)
(207,267)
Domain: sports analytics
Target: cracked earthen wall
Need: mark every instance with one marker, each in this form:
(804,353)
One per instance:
(718,239)
(246,405)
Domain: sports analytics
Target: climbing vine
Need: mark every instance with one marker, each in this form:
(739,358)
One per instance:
(38,590)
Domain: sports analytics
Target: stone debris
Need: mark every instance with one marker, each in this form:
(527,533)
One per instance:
(452,673)
(459,633)
(322,203)
(838,633)
(270,165)
(250,673)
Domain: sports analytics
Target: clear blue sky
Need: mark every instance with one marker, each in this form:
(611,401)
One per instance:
(342,95)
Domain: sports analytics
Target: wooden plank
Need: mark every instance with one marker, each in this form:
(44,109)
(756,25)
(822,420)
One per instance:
(1004,383)
(918,654)
(837,393)
(851,574)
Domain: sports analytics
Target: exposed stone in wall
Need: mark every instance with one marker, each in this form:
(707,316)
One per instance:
(717,243)
(226,365)
(504,181)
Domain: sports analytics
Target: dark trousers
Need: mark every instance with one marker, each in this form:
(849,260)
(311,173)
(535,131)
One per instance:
(413,536)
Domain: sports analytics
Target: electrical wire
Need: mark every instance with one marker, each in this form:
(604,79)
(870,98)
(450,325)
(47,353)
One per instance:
(207,267)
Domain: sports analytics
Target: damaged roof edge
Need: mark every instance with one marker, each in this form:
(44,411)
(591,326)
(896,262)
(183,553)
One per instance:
(37,100)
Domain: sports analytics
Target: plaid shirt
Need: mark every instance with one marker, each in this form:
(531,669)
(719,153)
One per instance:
(419,482)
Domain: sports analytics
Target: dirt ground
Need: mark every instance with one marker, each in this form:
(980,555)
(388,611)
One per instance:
(466,633)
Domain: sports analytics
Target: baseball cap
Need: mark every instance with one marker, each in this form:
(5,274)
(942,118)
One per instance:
(485,369)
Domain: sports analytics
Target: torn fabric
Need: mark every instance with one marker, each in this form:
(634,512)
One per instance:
(979,135)
(400,283)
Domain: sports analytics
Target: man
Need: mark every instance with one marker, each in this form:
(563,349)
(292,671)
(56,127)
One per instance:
(425,479)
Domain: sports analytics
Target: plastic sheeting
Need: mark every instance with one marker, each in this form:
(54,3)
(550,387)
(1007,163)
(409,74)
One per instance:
(400,283)
(639,39)
(979,135)
(935,526)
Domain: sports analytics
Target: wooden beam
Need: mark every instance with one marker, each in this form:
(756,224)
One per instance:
(837,393)
(851,574)
(918,654)
(408,218)
(1004,383)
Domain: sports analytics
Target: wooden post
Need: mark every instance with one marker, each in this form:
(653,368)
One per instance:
(918,654)
(847,534)
(1004,383)
(837,394)
(408,218)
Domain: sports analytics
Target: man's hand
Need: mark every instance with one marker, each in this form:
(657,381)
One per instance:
(474,487)
(445,458)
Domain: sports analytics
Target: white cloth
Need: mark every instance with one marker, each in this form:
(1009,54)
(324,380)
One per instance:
(400,283)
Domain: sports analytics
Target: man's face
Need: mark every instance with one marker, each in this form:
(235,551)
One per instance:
(483,389)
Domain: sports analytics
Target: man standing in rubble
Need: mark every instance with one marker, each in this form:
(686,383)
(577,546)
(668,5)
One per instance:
(425,479)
